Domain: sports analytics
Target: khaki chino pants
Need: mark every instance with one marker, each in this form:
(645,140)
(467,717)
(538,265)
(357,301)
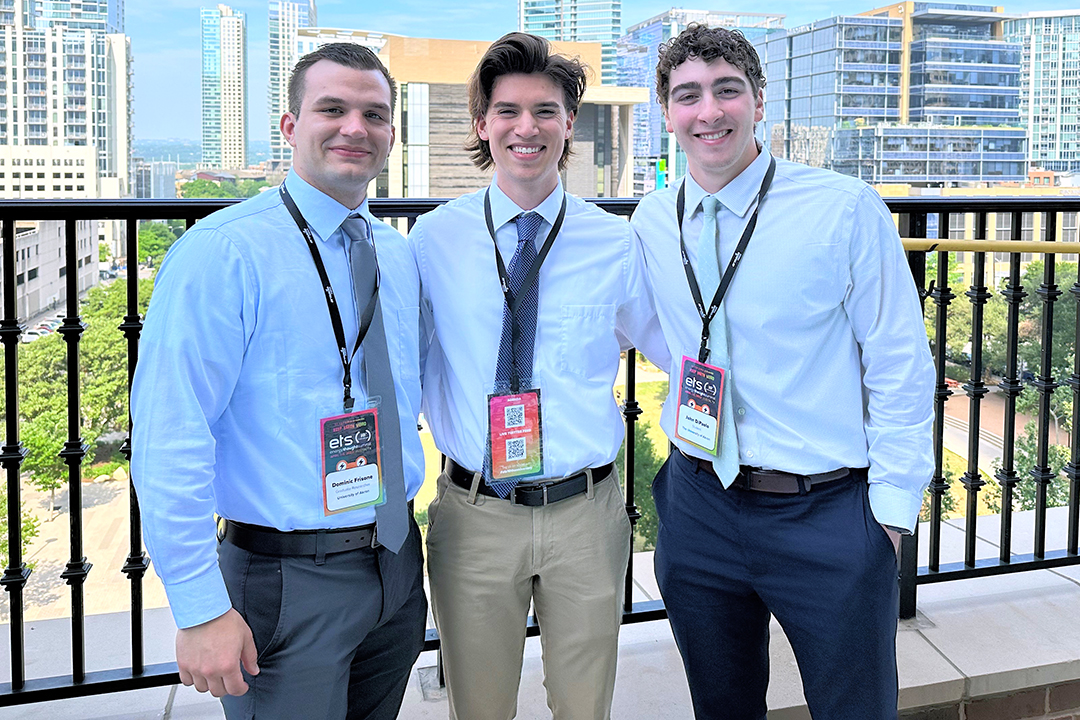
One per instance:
(488,559)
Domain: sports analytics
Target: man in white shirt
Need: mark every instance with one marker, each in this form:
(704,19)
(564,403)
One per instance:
(531,293)
(799,404)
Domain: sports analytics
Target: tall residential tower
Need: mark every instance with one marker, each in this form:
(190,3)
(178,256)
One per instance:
(286,18)
(224,88)
(1049,88)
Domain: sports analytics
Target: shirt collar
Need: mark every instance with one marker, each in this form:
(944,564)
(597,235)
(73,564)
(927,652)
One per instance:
(739,194)
(323,213)
(503,209)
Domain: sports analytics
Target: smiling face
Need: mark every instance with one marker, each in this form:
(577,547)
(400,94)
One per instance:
(344,130)
(711,109)
(526,126)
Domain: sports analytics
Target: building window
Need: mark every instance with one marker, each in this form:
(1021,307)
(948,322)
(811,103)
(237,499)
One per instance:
(32,274)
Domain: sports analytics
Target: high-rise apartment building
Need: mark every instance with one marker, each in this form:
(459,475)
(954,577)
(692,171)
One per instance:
(1050,86)
(917,92)
(59,88)
(656,154)
(99,16)
(286,17)
(224,88)
(577,21)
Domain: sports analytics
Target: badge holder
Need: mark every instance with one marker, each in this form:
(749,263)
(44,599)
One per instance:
(701,392)
(351,462)
(515,441)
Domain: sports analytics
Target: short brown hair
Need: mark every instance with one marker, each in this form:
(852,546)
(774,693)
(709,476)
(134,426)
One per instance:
(350,55)
(708,44)
(520,53)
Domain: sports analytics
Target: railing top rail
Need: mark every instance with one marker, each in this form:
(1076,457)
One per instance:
(139,209)
(1010,246)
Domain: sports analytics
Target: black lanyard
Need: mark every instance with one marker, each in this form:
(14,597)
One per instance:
(331,300)
(740,249)
(512,301)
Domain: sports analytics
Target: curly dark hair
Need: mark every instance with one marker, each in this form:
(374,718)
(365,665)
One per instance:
(520,53)
(708,44)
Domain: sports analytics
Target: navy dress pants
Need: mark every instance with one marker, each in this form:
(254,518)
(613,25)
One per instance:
(336,640)
(818,561)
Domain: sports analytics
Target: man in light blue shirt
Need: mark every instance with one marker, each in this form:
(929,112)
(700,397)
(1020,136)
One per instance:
(301,611)
(795,507)
(527,395)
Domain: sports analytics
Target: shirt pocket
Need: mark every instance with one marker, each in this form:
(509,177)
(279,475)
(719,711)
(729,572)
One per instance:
(587,343)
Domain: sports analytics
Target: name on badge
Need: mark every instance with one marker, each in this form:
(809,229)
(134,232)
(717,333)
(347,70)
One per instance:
(350,462)
(701,390)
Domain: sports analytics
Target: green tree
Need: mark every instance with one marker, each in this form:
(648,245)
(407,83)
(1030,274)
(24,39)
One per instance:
(250,188)
(104,254)
(205,189)
(1025,492)
(155,239)
(647,463)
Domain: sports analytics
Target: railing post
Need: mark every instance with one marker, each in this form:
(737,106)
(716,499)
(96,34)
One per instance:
(11,457)
(942,296)
(136,564)
(73,453)
(631,410)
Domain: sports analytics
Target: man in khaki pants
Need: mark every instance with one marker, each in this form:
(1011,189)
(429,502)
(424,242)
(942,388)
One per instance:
(530,294)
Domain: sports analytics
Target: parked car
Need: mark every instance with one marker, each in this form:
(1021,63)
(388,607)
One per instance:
(31,335)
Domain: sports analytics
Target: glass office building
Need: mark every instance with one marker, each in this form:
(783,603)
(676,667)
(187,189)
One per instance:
(1050,86)
(286,18)
(576,21)
(921,93)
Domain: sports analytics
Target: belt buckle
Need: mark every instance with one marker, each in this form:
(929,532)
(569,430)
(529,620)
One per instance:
(375,537)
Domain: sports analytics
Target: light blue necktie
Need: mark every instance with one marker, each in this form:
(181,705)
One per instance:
(727,463)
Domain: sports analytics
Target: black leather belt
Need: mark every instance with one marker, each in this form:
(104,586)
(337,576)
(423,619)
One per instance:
(532,494)
(270,541)
(773,481)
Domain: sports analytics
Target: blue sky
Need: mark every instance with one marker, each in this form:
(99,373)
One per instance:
(165,41)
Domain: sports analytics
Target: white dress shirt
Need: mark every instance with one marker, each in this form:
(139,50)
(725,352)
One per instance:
(830,362)
(593,303)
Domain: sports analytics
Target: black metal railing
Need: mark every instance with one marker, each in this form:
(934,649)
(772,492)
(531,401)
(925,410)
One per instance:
(913,222)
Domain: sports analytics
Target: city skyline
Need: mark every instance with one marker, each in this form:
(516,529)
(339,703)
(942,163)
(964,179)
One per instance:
(165,38)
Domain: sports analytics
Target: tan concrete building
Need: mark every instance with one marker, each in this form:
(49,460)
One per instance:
(432,117)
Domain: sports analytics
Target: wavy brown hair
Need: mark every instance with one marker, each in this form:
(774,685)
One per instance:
(520,53)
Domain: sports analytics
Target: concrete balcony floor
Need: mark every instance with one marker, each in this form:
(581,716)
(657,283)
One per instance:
(971,638)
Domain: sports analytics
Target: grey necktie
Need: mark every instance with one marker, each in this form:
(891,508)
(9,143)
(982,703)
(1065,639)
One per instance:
(727,463)
(392,516)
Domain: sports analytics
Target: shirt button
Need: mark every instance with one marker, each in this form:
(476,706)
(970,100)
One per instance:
(749,453)
(741,411)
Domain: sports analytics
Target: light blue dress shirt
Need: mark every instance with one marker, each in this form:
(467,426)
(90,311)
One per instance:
(237,365)
(593,303)
(830,361)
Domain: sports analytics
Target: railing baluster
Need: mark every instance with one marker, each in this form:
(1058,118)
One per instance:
(73,453)
(16,573)
(942,296)
(136,564)
(1072,469)
(631,410)
(975,389)
(1045,384)
(1007,478)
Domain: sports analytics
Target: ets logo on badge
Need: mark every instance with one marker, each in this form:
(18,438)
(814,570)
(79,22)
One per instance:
(350,462)
(701,390)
